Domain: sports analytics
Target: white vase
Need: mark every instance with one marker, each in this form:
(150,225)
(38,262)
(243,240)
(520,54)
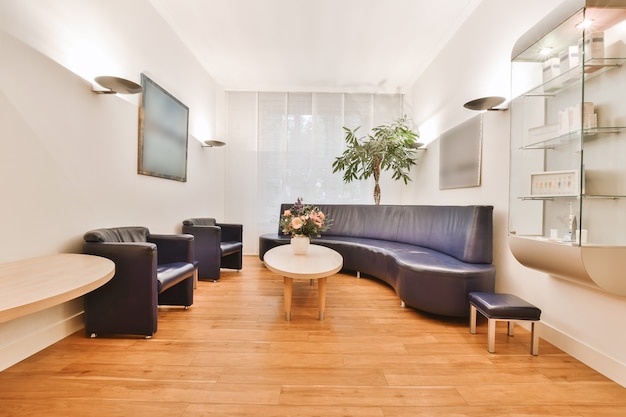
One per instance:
(300,245)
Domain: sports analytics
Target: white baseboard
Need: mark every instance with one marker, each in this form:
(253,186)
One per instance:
(607,366)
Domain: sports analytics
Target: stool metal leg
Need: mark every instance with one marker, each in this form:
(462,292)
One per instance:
(534,337)
(511,327)
(472,319)
(491,335)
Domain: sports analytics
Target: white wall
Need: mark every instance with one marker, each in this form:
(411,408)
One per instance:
(68,157)
(584,322)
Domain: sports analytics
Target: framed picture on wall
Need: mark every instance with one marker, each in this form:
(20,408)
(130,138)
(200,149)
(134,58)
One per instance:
(163,133)
(460,150)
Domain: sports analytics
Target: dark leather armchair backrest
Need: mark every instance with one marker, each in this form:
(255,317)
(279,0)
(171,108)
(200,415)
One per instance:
(203,221)
(118,234)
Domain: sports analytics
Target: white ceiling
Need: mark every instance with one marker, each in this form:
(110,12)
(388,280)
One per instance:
(315,45)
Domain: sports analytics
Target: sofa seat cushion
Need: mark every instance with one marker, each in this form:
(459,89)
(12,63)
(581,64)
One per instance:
(171,274)
(228,248)
(407,256)
(423,259)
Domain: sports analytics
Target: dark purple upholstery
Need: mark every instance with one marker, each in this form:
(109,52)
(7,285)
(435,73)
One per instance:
(504,306)
(150,270)
(217,245)
(433,256)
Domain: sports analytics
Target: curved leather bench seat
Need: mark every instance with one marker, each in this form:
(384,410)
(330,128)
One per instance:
(433,256)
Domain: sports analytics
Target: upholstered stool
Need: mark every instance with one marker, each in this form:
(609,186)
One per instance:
(503,307)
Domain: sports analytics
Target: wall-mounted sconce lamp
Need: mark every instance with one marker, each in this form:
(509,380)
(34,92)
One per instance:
(417,145)
(485,103)
(116,85)
(213,143)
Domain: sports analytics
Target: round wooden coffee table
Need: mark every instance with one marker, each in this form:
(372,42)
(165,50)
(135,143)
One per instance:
(319,263)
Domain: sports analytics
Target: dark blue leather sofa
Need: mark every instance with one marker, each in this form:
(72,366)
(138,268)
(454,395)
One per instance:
(433,256)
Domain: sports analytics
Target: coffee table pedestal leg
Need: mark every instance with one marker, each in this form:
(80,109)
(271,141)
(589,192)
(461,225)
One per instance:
(288,289)
(321,294)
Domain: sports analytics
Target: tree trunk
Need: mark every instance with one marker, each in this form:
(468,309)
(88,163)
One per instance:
(376,181)
(377,193)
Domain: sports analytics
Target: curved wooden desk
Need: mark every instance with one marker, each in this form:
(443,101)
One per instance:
(319,262)
(34,284)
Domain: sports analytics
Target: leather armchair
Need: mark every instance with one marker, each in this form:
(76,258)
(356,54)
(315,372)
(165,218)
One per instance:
(217,245)
(150,270)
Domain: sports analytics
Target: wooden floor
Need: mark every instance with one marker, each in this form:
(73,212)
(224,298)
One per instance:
(233,354)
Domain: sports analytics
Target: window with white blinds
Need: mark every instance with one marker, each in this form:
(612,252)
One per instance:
(299,135)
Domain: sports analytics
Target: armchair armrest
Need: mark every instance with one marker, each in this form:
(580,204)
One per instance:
(173,248)
(128,302)
(136,259)
(231,232)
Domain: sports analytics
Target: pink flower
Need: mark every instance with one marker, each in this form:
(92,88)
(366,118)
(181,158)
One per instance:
(287,213)
(318,218)
(297,223)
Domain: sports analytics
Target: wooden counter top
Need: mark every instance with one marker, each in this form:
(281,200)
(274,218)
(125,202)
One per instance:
(34,284)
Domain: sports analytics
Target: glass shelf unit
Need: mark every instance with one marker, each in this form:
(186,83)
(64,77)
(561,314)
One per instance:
(567,200)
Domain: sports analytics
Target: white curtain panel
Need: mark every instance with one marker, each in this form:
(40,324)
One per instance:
(298,137)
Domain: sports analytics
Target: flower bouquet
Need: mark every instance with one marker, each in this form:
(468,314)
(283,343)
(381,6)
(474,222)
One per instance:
(303,222)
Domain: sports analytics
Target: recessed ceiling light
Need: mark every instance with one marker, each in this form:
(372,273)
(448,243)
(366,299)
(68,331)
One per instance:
(545,51)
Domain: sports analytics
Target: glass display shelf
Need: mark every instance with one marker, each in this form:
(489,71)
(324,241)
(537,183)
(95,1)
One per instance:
(587,135)
(562,242)
(574,77)
(577,196)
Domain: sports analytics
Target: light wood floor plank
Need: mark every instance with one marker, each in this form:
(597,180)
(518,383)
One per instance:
(584,393)
(483,411)
(347,396)
(222,410)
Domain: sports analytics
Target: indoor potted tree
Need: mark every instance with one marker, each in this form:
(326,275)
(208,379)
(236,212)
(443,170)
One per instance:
(390,146)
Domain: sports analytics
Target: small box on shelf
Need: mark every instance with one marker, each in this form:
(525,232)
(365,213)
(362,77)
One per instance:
(554,184)
(551,69)
(577,117)
(584,111)
(594,45)
(593,50)
(568,61)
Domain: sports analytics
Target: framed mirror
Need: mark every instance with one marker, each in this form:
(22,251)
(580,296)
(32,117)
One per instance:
(163,133)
